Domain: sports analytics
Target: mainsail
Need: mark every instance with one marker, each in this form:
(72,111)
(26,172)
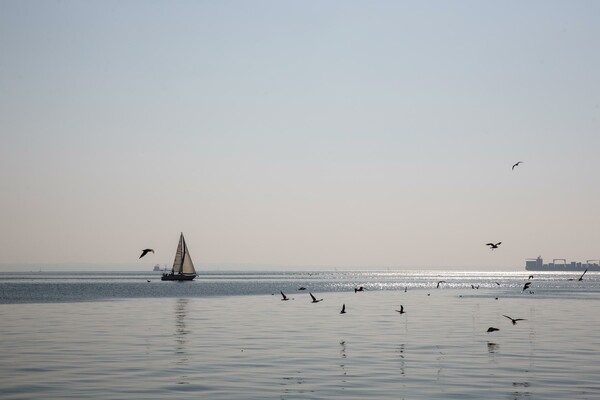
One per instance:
(183,262)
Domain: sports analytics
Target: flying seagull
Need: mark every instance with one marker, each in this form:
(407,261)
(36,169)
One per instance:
(343,309)
(514,320)
(301,288)
(401,310)
(146,251)
(284,296)
(518,162)
(492,329)
(360,289)
(526,285)
(314,299)
(438,284)
(530,277)
(581,277)
(493,246)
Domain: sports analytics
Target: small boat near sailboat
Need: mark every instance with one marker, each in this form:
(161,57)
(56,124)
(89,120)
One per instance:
(183,267)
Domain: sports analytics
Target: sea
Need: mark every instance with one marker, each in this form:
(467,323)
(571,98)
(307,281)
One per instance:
(230,335)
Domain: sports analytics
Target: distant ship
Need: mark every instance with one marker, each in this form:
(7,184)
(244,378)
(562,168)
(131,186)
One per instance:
(537,264)
(156,268)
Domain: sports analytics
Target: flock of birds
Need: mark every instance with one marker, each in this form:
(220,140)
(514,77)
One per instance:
(401,311)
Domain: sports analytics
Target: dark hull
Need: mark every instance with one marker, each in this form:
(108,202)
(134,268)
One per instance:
(177,277)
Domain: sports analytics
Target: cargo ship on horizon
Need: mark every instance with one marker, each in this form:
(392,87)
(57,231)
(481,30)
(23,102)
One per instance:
(537,264)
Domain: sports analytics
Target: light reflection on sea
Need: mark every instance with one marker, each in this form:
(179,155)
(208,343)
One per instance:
(87,286)
(257,346)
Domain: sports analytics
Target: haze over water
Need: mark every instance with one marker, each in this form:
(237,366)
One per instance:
(106,336)
(338,133)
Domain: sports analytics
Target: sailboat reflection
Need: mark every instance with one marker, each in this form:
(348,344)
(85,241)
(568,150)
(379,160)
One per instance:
(181,332)
(343,363)
(492,347)
(401,355)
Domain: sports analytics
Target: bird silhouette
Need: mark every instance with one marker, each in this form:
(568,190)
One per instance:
(146,251)
(493,245)
(514,320)
(530,277)
(343,309)
(301,288)
(492,329)
(284,296)
(438,284)
(314,299)
(526,285)
(514,165)
(581,277)
(360,289)
(401,310)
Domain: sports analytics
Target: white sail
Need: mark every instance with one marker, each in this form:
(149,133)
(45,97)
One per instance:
(187,267)
(183,262)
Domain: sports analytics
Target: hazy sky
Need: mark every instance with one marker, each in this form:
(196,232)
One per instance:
(300,133)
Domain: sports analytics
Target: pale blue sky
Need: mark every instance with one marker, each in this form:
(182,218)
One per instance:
(299,133)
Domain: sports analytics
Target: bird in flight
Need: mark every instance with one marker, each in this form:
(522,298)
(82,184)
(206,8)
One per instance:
(401,310)
(343,309)
(514,165)
(301,288)
(360,289)
(493,245)
(146,251)
(526,285)
(492,329)
(284,296)
(314,299)
(530,277)
(438,284)
(514,320)
(581,277)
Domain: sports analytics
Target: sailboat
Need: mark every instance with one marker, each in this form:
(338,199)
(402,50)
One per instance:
(183,267)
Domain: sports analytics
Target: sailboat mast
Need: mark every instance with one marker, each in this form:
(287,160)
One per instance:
(183,251)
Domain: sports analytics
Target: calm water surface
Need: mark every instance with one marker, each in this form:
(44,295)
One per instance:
(103,336)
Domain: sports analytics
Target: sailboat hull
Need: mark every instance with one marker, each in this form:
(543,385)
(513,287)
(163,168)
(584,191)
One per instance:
(177,277)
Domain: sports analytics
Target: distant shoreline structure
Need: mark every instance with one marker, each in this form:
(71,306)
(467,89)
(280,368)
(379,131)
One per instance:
(537,264)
